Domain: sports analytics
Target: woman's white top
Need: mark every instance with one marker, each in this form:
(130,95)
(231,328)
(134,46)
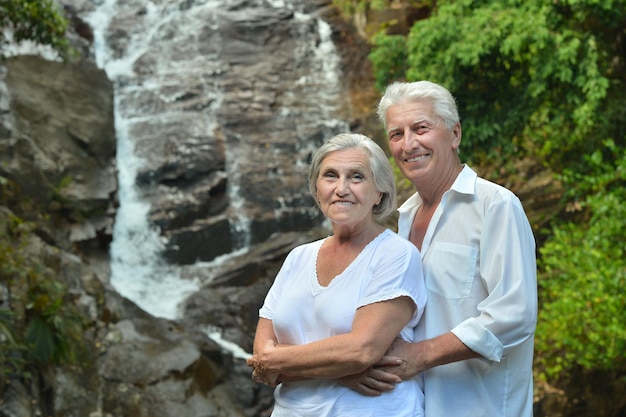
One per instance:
(303,311)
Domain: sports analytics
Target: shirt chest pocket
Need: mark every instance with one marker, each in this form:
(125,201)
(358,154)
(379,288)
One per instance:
(450,270)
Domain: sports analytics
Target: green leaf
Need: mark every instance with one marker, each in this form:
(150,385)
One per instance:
(40,337)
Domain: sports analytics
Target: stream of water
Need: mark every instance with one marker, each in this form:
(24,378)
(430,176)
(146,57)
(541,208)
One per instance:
(138,272)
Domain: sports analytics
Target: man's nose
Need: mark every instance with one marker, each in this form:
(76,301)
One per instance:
(410,141)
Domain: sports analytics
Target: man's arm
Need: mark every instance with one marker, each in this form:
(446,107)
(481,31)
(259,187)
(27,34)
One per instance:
(416,358)
(421,356)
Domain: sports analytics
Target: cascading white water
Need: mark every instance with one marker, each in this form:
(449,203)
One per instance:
(138,271)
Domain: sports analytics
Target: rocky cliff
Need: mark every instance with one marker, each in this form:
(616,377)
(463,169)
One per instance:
(254,111)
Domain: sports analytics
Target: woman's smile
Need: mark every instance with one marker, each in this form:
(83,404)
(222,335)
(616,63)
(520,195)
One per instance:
(345,187)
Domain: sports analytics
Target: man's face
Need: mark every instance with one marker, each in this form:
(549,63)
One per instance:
(419,141)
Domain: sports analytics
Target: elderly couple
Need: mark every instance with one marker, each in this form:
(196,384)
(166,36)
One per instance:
(437,320)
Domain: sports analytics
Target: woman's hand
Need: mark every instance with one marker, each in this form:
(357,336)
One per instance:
(259,366)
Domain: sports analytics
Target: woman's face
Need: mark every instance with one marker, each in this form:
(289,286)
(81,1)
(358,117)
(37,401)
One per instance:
(345,188)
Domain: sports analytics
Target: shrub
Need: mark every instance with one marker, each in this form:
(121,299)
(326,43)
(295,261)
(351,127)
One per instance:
(582,319)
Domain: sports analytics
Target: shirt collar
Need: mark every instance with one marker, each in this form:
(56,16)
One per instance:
(463,184)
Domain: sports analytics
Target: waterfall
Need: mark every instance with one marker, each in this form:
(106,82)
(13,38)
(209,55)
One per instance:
(138,270)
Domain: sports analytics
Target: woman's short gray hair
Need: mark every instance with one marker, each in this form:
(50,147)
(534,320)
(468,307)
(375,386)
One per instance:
(382,172)
(439,97)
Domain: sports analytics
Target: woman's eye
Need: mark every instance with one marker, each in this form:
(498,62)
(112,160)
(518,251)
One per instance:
(357,176)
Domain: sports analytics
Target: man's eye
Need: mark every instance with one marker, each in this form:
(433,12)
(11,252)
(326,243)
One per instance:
(395,136)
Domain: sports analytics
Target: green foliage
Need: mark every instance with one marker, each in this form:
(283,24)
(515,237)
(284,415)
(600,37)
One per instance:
(531,77)
(39,322)
(390,55)
(350,7)
(11,351)
(582,319)
(54,331)
(39,21)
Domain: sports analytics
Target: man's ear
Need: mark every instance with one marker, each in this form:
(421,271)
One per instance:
(456,136)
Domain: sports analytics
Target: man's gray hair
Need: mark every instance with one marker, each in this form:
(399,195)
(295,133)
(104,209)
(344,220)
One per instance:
(439,97)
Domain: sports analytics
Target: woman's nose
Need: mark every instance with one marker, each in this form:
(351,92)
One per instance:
(343,186)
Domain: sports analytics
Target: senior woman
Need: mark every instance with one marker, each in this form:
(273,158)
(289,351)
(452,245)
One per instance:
(338,303)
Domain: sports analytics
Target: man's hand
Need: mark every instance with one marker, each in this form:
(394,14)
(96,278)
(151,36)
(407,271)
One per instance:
(418,357)
(399,363)
(376,379)
(404,366)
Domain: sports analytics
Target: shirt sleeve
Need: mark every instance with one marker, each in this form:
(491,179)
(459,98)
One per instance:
(274,293)
(508,315)
(397,272)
